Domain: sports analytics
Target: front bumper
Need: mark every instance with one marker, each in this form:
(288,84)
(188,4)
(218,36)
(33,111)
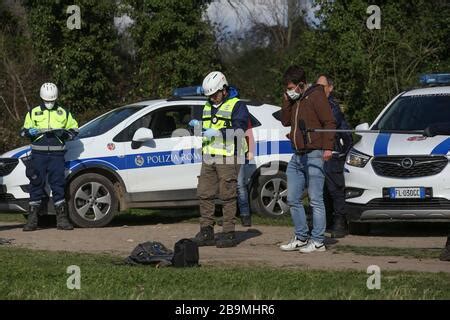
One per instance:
(379,210)
(14,206)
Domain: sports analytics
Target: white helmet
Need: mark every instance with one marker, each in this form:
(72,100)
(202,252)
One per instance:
(214,82)
(49,92)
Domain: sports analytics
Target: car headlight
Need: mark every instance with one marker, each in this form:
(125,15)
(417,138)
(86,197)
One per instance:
(357,159)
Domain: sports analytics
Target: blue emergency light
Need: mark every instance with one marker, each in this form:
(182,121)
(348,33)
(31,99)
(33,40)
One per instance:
(188,91)
(435,79)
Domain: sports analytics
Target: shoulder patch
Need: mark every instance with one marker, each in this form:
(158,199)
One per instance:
(38,113)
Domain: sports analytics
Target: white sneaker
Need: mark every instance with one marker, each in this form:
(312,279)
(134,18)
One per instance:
(313,246)
(293,245)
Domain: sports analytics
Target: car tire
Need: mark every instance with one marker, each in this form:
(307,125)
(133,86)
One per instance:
(268,195)
(359,228)
(92,201)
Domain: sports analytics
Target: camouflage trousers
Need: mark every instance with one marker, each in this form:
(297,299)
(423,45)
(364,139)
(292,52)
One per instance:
(218,180)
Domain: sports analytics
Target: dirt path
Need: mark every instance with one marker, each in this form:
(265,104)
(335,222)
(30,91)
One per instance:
(259,246)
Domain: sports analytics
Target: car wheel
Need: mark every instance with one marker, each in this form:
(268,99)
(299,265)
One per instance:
(92,201)
(359,228)
(268,195)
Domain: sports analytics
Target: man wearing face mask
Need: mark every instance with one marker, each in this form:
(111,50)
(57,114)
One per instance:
(305,107)
(48,126)
(224,122)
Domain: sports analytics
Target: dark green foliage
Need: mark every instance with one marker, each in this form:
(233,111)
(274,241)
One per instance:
(174,46)
(81,62)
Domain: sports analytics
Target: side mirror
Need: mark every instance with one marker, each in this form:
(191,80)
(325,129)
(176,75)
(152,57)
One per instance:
(140,136)
(362,126)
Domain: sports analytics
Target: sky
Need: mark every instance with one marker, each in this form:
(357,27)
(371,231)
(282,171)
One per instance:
(238,19)
(222,12)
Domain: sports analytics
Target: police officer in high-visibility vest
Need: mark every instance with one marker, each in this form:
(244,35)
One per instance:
(48,126)
(224,122)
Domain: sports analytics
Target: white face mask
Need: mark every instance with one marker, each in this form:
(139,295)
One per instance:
(49,105)
(294,95)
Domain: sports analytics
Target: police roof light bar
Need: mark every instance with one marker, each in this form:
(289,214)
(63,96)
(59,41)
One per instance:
(435,79)
(188,91)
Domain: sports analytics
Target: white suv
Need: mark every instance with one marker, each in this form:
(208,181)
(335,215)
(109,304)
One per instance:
(129,158)
(395,176)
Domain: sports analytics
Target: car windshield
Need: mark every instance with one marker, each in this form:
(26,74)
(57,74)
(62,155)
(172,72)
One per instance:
(415,113)
(107,121)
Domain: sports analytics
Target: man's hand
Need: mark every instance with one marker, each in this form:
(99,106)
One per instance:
(250,156)
(209,133)
(33,132)
(194,123)
(327,155)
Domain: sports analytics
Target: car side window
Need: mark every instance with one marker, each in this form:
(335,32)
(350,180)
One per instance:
(166,120)
(127,134)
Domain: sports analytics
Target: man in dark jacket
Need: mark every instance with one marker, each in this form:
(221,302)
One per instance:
(306,107)
(334,169)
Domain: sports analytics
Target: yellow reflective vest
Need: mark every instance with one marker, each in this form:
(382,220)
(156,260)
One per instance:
(43,119)
(221,120)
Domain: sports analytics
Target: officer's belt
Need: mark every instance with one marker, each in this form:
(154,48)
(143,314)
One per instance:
(48,148)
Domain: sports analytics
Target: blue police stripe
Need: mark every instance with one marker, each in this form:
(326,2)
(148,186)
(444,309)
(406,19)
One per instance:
(442,148)
(381,144)
(169,158)
(20,153)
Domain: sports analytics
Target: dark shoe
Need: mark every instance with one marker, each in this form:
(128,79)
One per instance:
(226,240)
(32,221)
(445,255)
(246,221)
(205,237)
(340,227)
(62,220)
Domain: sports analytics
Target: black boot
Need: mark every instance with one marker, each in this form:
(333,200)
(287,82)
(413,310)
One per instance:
(226,240)
(445,255)
(205,237)
(246,221)
(62,220)
(32,221)
(340,227)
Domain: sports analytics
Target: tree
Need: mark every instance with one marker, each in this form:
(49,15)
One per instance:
(82,62)
(174,45)
(370,67)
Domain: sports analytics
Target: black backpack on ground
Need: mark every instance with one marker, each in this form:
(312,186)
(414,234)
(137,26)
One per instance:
(185,254)
(150,252)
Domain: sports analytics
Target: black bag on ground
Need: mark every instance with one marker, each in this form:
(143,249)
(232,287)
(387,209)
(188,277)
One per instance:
(150,252)
(185,254)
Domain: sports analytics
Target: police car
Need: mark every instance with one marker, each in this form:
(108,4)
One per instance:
(396,176)
(145,155)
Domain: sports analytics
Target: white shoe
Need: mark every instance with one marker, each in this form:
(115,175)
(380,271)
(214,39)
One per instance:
(293,245)
(313,246)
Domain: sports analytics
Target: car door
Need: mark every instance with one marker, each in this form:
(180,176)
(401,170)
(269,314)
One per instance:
(165,167)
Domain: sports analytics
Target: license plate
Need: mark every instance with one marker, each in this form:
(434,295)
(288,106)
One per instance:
(407,193)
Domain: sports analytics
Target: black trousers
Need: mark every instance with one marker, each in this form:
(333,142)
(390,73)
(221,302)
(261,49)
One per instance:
(335,186)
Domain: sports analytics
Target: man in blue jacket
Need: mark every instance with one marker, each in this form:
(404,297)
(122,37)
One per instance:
(334,169)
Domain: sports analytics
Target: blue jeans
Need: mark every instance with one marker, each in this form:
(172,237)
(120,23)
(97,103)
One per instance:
(244,176)
(302,171)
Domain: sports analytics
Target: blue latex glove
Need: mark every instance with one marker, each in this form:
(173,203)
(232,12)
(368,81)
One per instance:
(194,123)
(209,133)
(33,132)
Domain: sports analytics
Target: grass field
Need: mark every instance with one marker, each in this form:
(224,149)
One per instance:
(27,274)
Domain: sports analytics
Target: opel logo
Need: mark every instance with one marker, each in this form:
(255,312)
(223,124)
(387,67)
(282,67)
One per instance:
(407,163)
